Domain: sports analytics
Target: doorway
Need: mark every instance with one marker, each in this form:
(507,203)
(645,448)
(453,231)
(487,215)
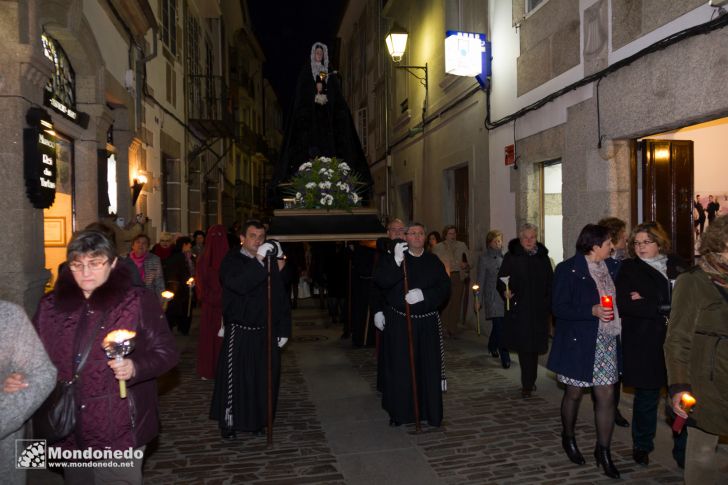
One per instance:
(667,182)
(59,219)
(551,209)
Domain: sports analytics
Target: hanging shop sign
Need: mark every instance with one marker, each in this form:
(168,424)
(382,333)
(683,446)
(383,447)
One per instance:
(39,155)
(464,53)
(60,91)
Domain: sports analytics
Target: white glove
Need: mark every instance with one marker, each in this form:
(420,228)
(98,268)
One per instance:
(443,385)
(264,249)
(379,320)
(279,248)
(282,341)
(399,250)
(414,296)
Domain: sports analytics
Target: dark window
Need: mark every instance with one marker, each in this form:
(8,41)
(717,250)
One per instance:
(169,25)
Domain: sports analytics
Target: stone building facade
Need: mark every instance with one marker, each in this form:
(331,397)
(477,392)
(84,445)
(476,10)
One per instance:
(579,84)
(137,99)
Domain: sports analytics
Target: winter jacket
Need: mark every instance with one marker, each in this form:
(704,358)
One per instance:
(696,348)
(575,328)
(644,321)
(65,321)
(21,351)
(526,325)
(488,266)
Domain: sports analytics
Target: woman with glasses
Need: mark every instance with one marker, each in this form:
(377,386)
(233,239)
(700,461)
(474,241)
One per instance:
(93,296)
(644,286)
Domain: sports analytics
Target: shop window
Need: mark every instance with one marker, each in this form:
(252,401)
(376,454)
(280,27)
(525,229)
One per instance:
(551,209)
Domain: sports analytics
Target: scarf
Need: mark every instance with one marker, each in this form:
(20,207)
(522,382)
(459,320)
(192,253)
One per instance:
(659,263)
(715,266)
(139,262)
(600,274)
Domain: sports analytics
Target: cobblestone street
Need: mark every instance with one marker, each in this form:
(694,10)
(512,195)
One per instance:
(330,427)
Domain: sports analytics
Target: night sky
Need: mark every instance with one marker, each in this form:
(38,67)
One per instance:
(286,31)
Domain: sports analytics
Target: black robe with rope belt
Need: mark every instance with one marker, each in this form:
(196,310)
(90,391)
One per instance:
(240,398)
(427,273)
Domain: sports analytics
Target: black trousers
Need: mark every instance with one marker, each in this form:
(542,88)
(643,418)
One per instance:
(529,368)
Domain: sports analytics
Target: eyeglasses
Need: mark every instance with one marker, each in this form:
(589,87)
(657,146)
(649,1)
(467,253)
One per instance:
(639,244)
(93,265)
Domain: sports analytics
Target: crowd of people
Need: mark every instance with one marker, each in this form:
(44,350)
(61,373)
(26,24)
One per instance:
(624,310)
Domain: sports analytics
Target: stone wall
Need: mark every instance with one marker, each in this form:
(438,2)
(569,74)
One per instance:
(549,41)
(631,19)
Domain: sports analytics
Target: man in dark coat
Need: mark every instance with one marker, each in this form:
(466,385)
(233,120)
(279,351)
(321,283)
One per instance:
(362,267)
(239,401)
(527,268)
(429,288)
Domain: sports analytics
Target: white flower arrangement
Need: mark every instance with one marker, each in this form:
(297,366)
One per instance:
(326,183)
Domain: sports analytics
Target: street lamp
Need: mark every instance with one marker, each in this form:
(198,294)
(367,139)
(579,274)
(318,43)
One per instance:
(396,41)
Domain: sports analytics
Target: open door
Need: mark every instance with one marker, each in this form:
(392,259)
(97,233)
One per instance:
(668,190)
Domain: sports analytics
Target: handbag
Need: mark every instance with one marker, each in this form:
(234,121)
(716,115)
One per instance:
(56,417)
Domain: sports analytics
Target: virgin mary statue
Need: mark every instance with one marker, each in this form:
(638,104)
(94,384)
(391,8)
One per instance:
(319,124)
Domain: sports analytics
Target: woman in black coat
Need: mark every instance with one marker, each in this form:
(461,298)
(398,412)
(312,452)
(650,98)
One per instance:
(527,268)
(644,285)
(177,271)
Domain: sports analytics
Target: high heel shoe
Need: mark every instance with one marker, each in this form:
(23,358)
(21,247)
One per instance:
(603,457)
(569,445)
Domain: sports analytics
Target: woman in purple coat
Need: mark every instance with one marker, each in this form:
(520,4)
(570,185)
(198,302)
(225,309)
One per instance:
(92,297)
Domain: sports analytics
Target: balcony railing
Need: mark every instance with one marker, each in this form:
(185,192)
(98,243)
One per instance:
(209,106)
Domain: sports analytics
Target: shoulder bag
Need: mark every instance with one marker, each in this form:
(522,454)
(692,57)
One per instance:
(56,417)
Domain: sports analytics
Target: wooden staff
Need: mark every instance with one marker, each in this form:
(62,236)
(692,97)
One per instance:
(270,358)
(413,372)
(348,297)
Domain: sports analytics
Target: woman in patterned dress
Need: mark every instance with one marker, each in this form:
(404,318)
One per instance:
(585,349)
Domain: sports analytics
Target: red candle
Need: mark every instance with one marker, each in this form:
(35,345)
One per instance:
(608,303)
(686,402)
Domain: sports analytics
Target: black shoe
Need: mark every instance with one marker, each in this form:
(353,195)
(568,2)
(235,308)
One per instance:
(394,423)
(506,364)
(494,354)
(572,451)
(620,421)
(525,393)
(641,457)
(227,433)
(603,457)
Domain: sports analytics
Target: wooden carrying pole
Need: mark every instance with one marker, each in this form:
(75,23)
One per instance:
(270,357)
(413,372)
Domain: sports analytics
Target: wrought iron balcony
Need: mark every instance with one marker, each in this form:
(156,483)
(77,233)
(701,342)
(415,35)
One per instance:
(209,107)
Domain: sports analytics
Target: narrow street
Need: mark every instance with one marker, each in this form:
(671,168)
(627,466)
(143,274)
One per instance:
(330,427)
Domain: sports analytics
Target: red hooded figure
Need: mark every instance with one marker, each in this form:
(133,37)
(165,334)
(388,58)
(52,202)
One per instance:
(209,294)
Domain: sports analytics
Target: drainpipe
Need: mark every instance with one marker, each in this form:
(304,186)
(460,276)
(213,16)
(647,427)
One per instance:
(140,80)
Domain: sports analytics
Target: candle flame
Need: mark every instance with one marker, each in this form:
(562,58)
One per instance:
(688,401)
(476,287)
(167,295)
(119,336)
(190,281)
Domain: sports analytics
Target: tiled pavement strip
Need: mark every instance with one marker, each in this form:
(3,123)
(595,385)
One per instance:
(331,429)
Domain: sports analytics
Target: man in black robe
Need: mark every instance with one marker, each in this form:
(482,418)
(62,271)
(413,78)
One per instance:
(395,230)
(429,287)
(239,401)
(362,266)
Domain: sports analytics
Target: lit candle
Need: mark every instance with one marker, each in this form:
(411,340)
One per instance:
(166,296)
(686,402)
(608,304)
(117,344)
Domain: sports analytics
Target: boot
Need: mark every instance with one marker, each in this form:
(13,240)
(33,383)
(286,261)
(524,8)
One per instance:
(603,457)
(569,445)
